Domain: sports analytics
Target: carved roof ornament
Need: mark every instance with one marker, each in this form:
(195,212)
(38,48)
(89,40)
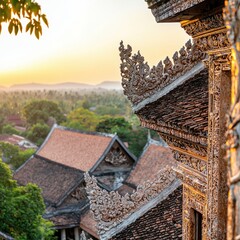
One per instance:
(110,208)
(116,157)
(139,81)
(196,27)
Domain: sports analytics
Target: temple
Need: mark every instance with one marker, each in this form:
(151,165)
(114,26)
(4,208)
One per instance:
(186,100)
(58,168)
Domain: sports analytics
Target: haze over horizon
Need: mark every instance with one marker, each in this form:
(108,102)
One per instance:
(81,43)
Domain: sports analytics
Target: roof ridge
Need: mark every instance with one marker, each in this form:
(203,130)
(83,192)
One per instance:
(85,132)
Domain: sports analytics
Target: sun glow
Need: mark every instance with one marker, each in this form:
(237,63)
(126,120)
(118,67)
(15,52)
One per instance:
(81,43)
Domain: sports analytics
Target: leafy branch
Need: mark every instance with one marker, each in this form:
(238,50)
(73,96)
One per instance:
(13,12)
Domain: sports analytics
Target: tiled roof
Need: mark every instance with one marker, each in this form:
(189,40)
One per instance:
(154,158)
(54,179)
(12,139)
(163,221)
(88,224)
(74,149)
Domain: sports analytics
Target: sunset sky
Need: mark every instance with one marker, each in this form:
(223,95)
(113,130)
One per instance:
(81,43)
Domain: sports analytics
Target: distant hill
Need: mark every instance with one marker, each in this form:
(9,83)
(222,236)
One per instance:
(64,86)
(110,85)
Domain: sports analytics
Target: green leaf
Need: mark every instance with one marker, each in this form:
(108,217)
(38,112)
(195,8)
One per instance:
(45,19)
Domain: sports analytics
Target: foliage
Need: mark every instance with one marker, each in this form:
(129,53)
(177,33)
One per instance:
(14,12)
(23,155)
(21,209)
(8,151)
(13,155)
(38,132)
(9,129)
(112,125)
(136,138)
(41,111)
(82,119)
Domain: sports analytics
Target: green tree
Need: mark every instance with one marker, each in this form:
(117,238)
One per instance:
(112,125)
(23,155)
(41,111)
(9,129)
(8,152)
(38,132)
(14,12)
(13,155)
(21,209)
(82,119)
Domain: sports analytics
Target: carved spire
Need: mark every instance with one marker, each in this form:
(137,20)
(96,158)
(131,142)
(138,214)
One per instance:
(110,208)
(139,81)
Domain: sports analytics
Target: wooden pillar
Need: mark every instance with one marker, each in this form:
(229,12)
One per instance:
(232,20)
(63,234)
(219,102)
(76,233)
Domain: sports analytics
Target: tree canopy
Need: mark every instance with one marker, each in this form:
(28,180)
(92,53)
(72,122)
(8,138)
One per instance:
(82,119)
(42,111)
(13,155)
(15,12)
(21,209)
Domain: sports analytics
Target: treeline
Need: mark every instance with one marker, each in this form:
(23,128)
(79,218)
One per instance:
(103,102)
(106,111)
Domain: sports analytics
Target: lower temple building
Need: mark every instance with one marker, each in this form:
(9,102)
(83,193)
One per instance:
(58,168)
(148,204)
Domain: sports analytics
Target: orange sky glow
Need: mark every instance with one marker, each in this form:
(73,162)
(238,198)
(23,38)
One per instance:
(81,43)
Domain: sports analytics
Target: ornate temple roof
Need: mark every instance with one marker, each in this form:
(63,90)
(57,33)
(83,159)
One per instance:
(111,210)
(163,221)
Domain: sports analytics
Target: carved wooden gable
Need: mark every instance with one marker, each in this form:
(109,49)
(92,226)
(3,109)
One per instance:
(115,166)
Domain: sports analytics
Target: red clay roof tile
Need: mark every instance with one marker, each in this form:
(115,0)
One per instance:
(153,159)
(74,149)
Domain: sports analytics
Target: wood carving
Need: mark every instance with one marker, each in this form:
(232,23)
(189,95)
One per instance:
(232,20)
(170,8)
(200,26)
(110,208)
(116,157)
(139,81)
(192,200)
(192,162)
